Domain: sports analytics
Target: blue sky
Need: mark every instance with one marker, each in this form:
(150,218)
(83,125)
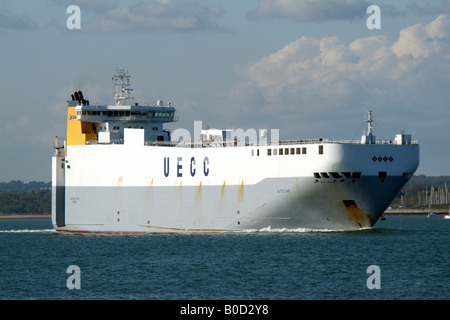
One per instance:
(308,68)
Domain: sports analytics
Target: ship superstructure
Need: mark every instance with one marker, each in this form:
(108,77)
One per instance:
(120,172)
(106,124)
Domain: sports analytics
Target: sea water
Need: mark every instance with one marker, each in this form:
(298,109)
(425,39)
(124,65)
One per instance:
(400,258)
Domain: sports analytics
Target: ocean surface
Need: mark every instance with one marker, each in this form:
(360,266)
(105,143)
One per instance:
(410,255)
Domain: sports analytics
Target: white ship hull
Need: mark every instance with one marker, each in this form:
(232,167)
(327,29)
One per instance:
(133,188)
(120,173)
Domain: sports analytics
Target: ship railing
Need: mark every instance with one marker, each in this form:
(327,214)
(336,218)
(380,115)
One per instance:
(236,143)
(120,141)
(412,142)
(320,140)
(193,144)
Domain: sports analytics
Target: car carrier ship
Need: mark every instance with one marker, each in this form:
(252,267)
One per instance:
(120,171)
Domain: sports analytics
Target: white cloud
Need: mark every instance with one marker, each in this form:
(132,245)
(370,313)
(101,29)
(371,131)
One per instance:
(321,78)
(157,16)
(425,40)
(309,10)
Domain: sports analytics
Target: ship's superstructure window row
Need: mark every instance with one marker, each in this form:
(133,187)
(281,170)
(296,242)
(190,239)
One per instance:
(283,151)
(126,113)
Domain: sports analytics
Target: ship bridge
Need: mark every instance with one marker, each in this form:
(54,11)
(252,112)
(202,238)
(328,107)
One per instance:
(106,124)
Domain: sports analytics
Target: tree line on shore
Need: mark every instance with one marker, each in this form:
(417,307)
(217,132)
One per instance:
(34,197)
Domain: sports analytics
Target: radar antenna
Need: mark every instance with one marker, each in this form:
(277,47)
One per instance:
(122,91)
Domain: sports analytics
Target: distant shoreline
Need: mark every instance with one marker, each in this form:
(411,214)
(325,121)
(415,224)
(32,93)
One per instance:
(413,212)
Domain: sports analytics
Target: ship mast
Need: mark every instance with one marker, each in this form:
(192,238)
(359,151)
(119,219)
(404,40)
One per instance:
(369,121)
(122,91)
(368,138)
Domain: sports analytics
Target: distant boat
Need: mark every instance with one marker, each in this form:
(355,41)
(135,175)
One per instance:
(447,216)
(430,214)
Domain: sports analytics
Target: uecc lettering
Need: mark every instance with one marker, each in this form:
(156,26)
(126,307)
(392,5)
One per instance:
(192,166)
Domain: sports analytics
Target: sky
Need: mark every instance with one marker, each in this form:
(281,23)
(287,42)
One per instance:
(308,68)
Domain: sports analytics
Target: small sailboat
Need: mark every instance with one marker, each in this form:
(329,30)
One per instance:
(447,216)
(430,214)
